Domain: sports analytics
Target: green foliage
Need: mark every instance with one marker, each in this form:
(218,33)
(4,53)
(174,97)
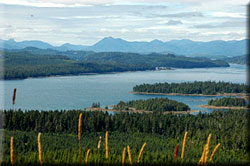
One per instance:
(196,87)
(228,101)
(96,105)
(36,63)
(154,60)
(160,132)
(155,105)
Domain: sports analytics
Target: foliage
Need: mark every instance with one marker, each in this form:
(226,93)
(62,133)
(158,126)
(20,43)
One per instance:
(36,63)
(96,105)
(155,105)
(228,101)
(160,132)
(196,87)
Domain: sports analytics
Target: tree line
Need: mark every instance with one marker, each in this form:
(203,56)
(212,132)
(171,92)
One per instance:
(154,104)
(21,64)
(228,101)
(196,87)
(161,132)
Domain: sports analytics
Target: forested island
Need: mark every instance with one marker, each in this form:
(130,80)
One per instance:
(192,88)
(33,62)
(155,105)
(60,145)
(228,101)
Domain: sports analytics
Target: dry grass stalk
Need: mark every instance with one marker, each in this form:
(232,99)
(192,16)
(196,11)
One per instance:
(207,148)
(123,156)
(99,142)
(107,146)
(79,127)
(176,151)
(183,145)
(201,161)
(215,149)
(39,147)
(12,150)
(14,96)
(87,156)
(129,155)
(141,151)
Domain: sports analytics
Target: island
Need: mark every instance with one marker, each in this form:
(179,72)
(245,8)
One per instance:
(226,103)
(153,105)
(196,88)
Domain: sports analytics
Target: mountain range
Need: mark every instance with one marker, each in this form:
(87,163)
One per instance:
(217,49)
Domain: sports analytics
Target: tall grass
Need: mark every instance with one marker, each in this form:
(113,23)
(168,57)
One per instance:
(87,157)
(12,150)
(123,156)
(215,149)
(39,148)
(107,146)
(79,136)
(176,151)
(141,151)
(183,145)
(129,156)
(99,143)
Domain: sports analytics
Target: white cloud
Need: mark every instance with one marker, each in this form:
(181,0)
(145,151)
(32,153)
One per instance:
(56,3)
(74,3)
(227,14)
(87,21)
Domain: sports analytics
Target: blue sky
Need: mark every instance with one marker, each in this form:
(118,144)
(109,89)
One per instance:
(85,22)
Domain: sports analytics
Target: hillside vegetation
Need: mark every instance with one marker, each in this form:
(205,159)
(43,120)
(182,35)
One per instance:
(162,133)
(32,62)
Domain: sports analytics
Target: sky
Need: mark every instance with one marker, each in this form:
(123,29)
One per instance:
(85,22)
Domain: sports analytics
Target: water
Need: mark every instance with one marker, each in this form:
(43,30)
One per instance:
(78,92)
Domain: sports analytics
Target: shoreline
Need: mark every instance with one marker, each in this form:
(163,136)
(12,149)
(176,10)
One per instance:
(183,94)
(80,74)
(220,107)
(140,111)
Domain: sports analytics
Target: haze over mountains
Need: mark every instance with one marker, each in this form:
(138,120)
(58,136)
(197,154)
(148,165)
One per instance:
(212,49)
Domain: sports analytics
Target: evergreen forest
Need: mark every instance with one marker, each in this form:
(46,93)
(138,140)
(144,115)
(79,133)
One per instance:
(161,132)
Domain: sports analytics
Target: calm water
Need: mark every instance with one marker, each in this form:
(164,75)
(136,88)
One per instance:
(78,92)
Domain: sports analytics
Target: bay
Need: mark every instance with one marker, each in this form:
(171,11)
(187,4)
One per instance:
(78,92)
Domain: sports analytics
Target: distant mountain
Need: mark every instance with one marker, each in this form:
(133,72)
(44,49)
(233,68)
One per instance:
(68,46)
(217,49)
(12,44)
(237,60)
(211,49)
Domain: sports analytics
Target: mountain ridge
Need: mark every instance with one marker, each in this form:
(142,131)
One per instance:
(213,49)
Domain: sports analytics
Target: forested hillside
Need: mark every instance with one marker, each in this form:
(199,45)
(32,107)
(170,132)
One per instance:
(238,59)
(196,87)
(161,133)
(32,62)
(21,65)
(155,59)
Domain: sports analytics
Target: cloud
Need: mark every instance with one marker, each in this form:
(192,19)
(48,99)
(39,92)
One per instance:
(173,22)
(179,15)
(87,21)
(226,24)
(228,14)
(57,3)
